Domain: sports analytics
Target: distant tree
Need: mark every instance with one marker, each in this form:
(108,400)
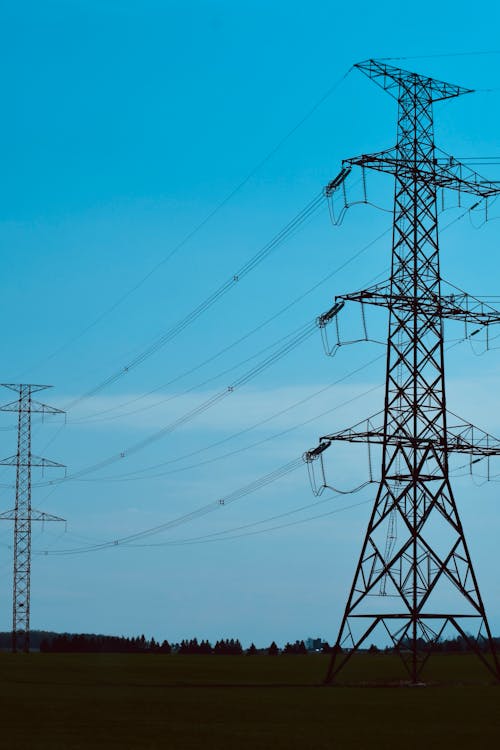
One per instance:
(236,647)
(373,649)
(88,643)
(205,647)
(251,651)
(61,644)
(193,647)
(273,649)
(299,647)
(92,643)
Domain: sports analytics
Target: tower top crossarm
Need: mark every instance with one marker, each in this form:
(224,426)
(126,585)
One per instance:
(17,387)
(397,81)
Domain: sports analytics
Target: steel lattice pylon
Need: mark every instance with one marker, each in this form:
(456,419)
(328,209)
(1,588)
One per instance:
(423,574)
(23,514)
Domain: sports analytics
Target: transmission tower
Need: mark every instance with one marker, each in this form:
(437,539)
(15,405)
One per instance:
(23,514)
(414,580)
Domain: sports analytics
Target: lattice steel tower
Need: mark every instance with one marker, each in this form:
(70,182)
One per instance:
(23,514)
(419,583)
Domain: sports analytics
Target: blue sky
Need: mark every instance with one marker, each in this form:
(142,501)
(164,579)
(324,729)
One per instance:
(125,125)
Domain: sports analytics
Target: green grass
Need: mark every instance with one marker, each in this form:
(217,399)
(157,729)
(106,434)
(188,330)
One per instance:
(73,701)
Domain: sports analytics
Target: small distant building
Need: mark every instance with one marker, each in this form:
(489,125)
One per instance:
(314,644)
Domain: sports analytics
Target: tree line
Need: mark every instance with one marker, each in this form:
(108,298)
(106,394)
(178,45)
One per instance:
(81,643)
(50,642)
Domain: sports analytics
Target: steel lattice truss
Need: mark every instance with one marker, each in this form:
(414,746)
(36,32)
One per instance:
(23,514)
(422,576)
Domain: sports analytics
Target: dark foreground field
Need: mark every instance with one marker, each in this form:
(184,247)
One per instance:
(66,701)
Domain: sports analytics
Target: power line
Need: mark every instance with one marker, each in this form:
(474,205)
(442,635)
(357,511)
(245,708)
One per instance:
(193,232)
(197,386)
(207,303)
(232,497)
(227,348)
(214,399)
(443,54)
(300,336)
(132,476)
(220,536)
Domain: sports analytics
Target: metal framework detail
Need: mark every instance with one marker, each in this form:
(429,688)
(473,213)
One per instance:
(414,579)
(23,514)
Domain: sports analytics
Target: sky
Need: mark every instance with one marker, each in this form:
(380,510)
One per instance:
(149,150)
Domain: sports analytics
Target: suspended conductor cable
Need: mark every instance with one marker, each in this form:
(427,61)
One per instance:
(302,334)
(197,387)
(132,476)
(93,417)
(219,536)
(189,236)
(207,303)
(246,430)
(211,401)
(232,497)
(444,54)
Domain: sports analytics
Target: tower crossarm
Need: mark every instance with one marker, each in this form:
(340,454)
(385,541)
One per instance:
(36,407)
(36,515)
(455,306)
(398,82)
(464,437)
(367,431)
(31,460)
(461,437)
(446,172)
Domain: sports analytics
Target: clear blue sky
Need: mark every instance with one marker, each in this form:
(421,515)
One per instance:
(125,124)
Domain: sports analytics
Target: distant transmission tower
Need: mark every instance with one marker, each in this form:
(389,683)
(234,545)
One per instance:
(23,514)
(414,581)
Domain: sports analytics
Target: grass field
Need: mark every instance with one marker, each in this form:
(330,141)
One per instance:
(69,701)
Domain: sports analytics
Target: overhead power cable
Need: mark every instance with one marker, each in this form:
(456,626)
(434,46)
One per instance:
(193,232)
(479,53)
(302,334)
(198,386)
(96,416)
(141,474)
(100,415)
(212,400)
(292,343)
(226,534)
(232,497)
(222,290)
(190,516)
(310,290)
